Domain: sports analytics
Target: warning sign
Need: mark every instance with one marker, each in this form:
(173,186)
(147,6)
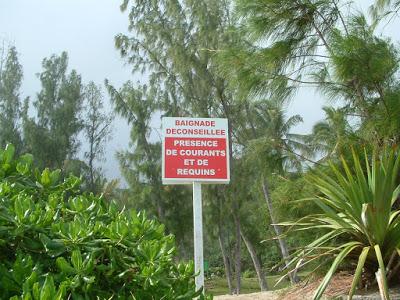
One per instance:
(195,149)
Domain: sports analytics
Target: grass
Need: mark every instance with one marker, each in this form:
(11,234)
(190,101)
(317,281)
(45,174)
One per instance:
(219,286)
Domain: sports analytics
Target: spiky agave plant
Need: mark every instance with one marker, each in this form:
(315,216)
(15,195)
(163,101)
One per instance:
(357,205)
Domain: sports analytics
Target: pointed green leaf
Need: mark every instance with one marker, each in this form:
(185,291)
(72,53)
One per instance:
(64,266)
(8,154)
(383,271)
(358,272)
(48,290)
(339,258)
(45,179)
(76,259)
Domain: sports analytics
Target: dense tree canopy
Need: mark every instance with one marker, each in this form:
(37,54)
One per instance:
(58,107)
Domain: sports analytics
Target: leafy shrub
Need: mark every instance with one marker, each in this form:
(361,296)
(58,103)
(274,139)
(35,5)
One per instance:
(249,274)
(358,209)
(57,243)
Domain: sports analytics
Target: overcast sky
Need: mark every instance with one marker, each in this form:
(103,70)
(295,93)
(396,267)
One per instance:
(86,30)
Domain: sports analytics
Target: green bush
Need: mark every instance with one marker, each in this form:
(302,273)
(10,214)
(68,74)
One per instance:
(57,243)
(359,214)
(249,274)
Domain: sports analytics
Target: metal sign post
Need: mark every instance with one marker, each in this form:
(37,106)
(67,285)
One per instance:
(198,235)
(195,151)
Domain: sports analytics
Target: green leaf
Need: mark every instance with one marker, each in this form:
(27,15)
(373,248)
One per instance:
(383,271)
(48,290)
(19,209)
(328,276)
(22,168)
(76,259)
(53,247)
(8,154)
(30,281)
(45,179)
(55,176)
(62,290)
(24,164)
(36,291)
(64,266)
(358,272)
(22,207)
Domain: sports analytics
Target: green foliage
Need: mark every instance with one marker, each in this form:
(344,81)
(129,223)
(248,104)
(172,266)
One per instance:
(359,54)
(358,206)
(52,138)
(319,43)
(281,42)
(332,136)
(270,143)
(248,274)
(286,45)
(287,20)
(97,129)
(199,59)
(56,243)
(174,42)
(142,167)
(383,8)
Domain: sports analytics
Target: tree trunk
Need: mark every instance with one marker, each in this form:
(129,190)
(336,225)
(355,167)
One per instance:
(256,262)
(227,261)
(160,211)
(226,254)
(91,170)
(92,155)
(238,264)
(158,201)
(277,229)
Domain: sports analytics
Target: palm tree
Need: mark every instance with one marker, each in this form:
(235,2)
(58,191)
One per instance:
(273,149)
(329,136)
